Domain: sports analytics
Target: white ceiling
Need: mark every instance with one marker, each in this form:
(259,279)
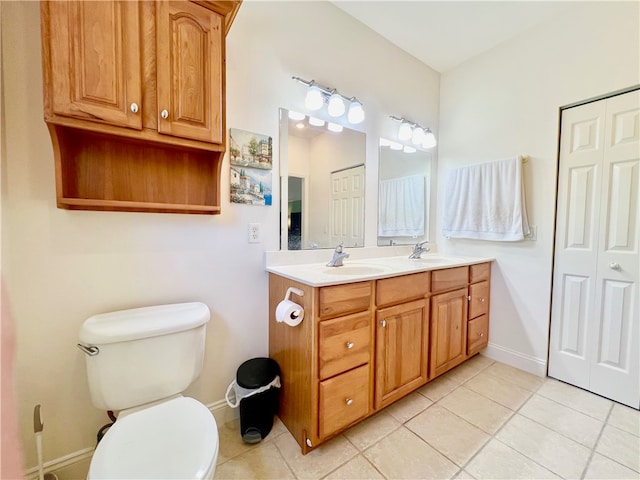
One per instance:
(444,34)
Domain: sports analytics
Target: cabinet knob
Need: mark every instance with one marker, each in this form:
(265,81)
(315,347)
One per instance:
(350,345)
(164,114)
(348,401)
(134,107)
(383,323)
(468,298)
(482,334)
(614,266)
(482,300)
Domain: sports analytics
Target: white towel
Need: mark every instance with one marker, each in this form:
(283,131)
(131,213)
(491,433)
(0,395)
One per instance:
(486,202)
(401,207)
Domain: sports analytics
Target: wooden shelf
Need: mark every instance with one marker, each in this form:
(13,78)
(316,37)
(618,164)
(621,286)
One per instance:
(99,172)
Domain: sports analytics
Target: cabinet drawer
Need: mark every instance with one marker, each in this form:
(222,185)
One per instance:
(477,334)
(479,299)
(344,343)
(479,272)
(401,289)
(343,400)
(449,278)
(342,299)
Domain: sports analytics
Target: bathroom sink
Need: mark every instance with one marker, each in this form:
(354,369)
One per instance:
(348,269)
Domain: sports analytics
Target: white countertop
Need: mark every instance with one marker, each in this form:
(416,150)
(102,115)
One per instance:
(319,275)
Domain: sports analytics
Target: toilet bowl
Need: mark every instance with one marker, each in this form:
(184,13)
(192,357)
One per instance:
(176,439)
(138,363)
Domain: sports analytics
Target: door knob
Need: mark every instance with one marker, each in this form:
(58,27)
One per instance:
(615,266)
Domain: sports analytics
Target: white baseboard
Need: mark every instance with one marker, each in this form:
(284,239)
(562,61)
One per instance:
(221,412)
(528,363)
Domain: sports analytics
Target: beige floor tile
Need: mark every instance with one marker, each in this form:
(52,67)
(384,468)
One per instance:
(403,455)
(452,436)
(231,444)
(464,475)
(476,409)
(518,377)
(571,423)
(369,431)
(470,368)
(408,407)
(264,461)
(319,462)
(438,388)
(625,418)
(576,398)
(357,468)
(498,390)
(498,461)
(605,468)
(553,451)
(621,446)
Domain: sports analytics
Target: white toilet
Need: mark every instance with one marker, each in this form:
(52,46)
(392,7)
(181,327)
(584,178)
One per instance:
(138,363)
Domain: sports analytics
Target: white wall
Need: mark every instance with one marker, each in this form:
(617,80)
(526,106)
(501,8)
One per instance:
(61,266)
(506,102)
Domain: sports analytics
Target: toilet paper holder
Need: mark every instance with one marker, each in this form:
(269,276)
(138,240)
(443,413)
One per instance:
(295,290)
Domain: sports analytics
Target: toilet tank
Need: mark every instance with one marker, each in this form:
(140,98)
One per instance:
(143,354)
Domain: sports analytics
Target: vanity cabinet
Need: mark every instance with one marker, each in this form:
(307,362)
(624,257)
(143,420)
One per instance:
(478,316)
(402,336)
(134,98)
(364,345)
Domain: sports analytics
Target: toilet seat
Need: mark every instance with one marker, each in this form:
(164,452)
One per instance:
(176,439)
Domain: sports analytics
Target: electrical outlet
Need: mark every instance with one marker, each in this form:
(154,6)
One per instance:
(254,233)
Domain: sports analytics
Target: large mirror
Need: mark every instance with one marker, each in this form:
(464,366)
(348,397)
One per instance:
(322,183)
(404,180)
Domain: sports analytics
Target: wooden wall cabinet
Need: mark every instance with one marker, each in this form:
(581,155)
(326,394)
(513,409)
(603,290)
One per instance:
(134,98)
(364,345)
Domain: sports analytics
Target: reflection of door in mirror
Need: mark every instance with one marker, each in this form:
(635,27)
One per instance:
(347,206)
(403,196)
(296,215)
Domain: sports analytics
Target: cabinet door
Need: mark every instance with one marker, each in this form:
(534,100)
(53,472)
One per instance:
(402,342)
(448,330)
(190,42)
(94,55)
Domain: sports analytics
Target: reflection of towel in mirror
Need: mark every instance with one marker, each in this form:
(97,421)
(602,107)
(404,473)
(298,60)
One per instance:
(401,207)
(486,202)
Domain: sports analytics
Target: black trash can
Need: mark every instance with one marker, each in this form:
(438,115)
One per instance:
(258,409)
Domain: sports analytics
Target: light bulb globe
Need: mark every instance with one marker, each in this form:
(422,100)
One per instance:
(336,106)
(405,132)
(313,100)
(429,139)
(356,113)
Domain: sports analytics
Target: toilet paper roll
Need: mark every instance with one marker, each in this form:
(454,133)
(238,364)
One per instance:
(289,312)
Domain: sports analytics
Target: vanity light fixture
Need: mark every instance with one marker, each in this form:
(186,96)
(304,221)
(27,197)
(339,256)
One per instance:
(316,122)
(296,115)
(317,96)
(418,135)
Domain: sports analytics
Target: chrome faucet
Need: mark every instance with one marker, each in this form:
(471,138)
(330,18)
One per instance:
(338,257)
(418,250)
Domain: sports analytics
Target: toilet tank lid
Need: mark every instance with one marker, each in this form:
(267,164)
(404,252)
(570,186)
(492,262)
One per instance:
(126,325)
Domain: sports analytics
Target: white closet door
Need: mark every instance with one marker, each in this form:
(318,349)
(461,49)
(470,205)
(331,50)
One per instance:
(595,333)
(615,371)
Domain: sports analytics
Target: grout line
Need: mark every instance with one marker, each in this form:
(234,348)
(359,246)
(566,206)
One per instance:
(595,444)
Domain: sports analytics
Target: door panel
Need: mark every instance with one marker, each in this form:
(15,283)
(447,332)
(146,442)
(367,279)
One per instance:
(347,207)
(594,338)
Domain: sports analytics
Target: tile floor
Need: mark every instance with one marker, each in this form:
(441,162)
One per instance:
(481,420)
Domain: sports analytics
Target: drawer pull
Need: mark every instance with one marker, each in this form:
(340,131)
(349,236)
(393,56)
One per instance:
(348,401)
(350,345)
(482,334)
